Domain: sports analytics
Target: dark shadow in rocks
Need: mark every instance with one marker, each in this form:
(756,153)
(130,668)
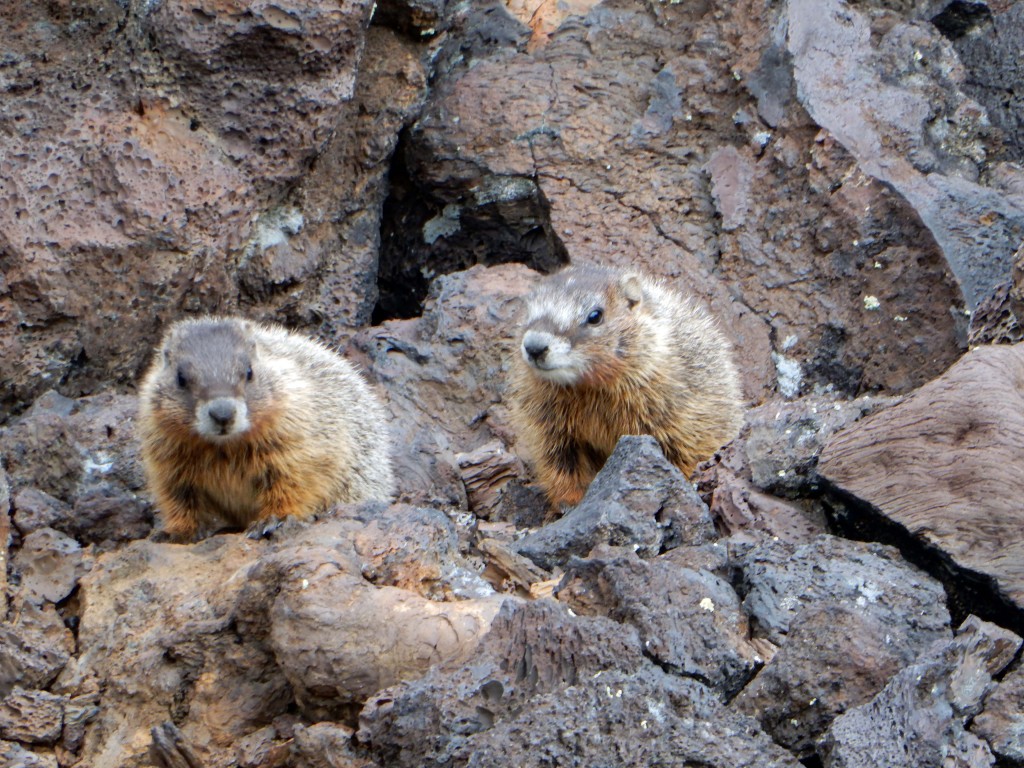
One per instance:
(423,235)
(967,592)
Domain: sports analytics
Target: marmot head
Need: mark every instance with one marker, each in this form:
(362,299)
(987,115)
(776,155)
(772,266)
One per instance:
(210,377)
(579,325)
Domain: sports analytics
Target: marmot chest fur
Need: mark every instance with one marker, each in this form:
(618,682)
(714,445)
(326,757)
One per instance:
(241,421)
(607,353)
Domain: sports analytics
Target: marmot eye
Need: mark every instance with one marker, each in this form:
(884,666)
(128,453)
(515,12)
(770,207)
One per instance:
(182,381)
(595,317)
(248,373)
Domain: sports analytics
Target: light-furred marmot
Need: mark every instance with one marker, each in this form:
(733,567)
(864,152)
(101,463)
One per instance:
(242,422)
(607,353)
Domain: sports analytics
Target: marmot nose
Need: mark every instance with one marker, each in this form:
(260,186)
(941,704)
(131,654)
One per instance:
(535,348)
(222,411)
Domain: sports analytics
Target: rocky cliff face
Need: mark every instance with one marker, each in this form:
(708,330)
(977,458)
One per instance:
(839,182)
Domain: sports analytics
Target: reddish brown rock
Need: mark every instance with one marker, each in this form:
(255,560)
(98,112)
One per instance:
(951,454)
(150,193)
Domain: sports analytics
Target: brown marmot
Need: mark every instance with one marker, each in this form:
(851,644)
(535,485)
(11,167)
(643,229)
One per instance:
(242,422)
(607,353)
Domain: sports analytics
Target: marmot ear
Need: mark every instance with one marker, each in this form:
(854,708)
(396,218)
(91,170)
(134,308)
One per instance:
(631,289)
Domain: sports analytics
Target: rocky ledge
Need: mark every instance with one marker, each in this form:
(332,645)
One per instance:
(839,182)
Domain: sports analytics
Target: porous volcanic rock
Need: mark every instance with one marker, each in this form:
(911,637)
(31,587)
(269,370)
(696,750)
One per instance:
(75,467)
(689,621)
(638,499)
(516,698)
(204,171)
(919,717)
(779,580)
(49,565)
(1001,723)
(444,376)
(952,454)
(34,648)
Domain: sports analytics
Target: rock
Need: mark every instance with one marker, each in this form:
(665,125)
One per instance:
(34,647)
(80,454)
(444,374)
(49,565)
(782,442)
(919,717)
(486,472)
(154,194)
(408,547)
(337,639)
(32,717)
(1001,724)
(35,509)
(15,755)
(638,499)
(916,130)
(325,745)
(986,40)
(833,659)
(780,580)
(951,454)
(518,701)
(5,537)
(689,621)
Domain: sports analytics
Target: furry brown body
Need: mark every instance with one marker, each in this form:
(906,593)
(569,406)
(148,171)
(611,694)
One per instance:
(606,354)
(242,422)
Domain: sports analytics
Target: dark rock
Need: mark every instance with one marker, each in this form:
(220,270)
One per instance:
(833,659)
(49,565)
(81,454)
(689,621)
(33,717)
(782,442)
(537,665)
(988,39)
(919,717)
(951,453)
(78,713)
(780,580)
(638,499)
(34,647)
(35,509)
(1001,724)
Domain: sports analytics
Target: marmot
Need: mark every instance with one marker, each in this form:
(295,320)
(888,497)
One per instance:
(241,422)
(607,353)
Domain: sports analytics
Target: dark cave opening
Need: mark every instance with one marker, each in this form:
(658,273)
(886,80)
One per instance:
(430,232)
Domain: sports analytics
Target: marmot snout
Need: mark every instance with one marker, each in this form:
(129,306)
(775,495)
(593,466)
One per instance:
(606,354)
(240,422)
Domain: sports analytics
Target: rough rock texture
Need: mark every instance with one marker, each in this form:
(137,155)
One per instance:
(224,636)
(919,717)
(537,663)
(1001,723)
(689,621)
(638,498)
(839,182)
(181,180)
(780,580)
(952,454)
